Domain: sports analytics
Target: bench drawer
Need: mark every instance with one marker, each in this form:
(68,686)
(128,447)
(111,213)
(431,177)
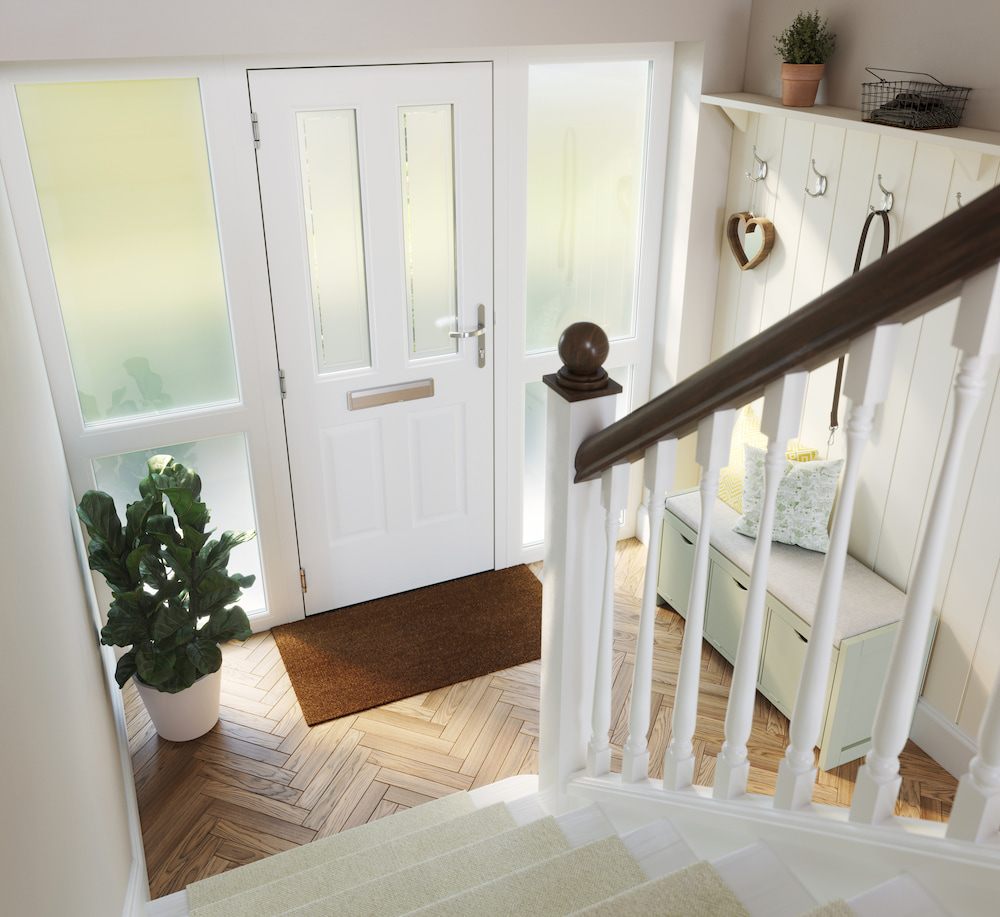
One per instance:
(676,565)
(727,600)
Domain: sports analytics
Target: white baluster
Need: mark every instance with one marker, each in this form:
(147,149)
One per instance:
(614,498)
(714,437)
(977,335)
(975,816)
(572,575)
(658,476)
(780,421)
(866,383)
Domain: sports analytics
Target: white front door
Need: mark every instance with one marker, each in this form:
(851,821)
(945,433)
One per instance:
(376,187)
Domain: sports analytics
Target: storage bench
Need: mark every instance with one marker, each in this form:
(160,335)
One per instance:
(870,609)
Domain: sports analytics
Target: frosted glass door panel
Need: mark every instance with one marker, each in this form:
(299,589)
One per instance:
(222,465)
(535,394)
(122,177)
(428,181)
(331,193)
(586,148)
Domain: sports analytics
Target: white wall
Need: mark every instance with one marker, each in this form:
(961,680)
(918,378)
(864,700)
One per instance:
(816,244)
(954,41)
(64,839)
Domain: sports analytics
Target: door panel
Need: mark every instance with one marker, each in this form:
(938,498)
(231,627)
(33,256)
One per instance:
(376,187)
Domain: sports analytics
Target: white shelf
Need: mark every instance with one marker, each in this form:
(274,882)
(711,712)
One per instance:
(975,150)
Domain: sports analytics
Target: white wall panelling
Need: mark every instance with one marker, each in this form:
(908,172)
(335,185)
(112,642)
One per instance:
(817,241)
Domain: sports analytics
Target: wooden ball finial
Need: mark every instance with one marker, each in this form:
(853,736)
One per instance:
(583,347)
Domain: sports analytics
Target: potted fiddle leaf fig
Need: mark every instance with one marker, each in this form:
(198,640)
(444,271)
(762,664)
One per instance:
(805,47)
(173,597)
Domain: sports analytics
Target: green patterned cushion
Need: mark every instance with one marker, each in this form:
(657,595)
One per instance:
(805,499)
(746,431)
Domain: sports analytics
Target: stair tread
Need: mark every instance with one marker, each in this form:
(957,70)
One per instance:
(557,886)
(694,891)
(362,837)
(339,874)
(762,882)
(448,874)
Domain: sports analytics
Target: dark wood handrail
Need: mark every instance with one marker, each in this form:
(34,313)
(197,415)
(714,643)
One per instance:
(909,281)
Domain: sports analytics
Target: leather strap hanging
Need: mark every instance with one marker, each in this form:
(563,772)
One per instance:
(834,423)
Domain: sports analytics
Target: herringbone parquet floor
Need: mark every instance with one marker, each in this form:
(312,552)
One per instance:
(262,781)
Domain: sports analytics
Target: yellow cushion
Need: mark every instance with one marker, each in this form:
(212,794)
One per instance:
(746,431)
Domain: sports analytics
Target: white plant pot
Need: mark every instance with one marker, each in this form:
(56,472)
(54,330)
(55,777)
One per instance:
(187,714)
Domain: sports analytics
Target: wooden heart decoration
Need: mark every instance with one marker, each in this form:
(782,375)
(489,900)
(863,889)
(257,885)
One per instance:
(750,224)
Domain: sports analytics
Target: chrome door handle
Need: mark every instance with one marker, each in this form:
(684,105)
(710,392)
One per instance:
(480,333)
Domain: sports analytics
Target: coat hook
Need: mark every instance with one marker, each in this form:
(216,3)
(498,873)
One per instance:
(886,198)
(958,199)
(820,185)
(759,166)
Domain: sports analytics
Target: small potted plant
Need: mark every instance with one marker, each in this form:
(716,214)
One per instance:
(173,597)
(805,47)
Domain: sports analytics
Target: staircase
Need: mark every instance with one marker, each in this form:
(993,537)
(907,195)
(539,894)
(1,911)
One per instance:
(496,851)
(580,839)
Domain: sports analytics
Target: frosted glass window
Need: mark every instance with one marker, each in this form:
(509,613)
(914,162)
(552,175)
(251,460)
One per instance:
(428,173)
(331,192)
(586,148)
(122,177)
(222,465)
(535,395)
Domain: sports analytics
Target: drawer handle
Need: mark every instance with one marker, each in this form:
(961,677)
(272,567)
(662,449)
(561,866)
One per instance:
(803,639)
(685,539)
(738,583)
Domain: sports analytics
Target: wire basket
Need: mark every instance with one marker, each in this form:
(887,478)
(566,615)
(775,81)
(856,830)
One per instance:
(913,104)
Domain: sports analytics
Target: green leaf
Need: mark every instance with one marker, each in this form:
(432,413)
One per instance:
(136,515)
(98,514)
(134,561)
(126,623)
(154,667)
(216,553)
(205,655)
(229,624)
(125,668)
(168,620)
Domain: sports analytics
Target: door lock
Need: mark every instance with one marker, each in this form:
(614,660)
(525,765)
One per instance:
(480,333)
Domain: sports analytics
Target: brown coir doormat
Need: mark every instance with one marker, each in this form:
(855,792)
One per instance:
(371,654)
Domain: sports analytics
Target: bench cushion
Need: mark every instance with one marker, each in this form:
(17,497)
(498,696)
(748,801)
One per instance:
(867,601)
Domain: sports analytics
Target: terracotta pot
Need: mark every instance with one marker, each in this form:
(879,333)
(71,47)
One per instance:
(187,714)
(799,83)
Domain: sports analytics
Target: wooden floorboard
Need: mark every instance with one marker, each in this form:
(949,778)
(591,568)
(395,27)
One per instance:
(262,781)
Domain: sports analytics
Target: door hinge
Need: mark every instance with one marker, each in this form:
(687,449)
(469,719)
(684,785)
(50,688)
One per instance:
(281,382)
(256,130)
(302,574)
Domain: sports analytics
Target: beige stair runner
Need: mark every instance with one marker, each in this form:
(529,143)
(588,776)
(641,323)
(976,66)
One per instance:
(362,837)
(557,886)
(336,875)
(446,875)
(695,891)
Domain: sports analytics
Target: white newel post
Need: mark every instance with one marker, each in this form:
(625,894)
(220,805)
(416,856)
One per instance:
(783,401)
(658,475)
(866,384)
(580,402)
(975,816)
(977,336)
(715,433)
(614,498)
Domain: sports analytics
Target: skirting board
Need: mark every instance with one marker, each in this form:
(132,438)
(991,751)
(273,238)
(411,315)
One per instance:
(947,743)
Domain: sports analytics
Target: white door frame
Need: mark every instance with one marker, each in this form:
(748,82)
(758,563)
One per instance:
(637,350)
(232,161)
(257,414)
